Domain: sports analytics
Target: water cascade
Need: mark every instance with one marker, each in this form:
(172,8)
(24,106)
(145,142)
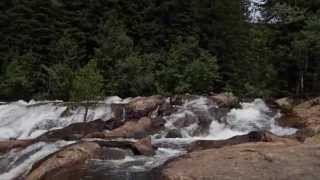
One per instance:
(195,119)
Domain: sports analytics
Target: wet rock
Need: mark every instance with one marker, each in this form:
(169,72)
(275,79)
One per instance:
(205,119)
(143,106)
(225,100)
(290,119)
(249,161)
(113,124)
(186,120)
(115,153)
(71,158)
(145,147)
(8,145)
(121,172)
(166,109)
(251,137)
(183,145)
(158,123)
(174,133)
(132,129)
(304,116)
(140,147)
(305,133)
(219,114)
(74,131)
(98,135)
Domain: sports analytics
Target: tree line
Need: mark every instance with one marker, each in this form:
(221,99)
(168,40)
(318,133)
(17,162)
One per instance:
(51,49)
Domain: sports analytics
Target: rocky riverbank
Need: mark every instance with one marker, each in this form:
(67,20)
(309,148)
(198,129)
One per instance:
(188,137)
(291,157)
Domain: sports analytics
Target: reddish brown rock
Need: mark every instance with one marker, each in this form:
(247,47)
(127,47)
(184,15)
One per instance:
(145,147)
(225,100)
(144,106)
(8,145)
(70,158)
(262,160)
(140,147)
(131,129)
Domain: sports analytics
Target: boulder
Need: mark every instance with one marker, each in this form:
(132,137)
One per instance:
(285,103)
(225,100)
(261,160)
(131,129)
(70,158)
(145,147)
(144,106)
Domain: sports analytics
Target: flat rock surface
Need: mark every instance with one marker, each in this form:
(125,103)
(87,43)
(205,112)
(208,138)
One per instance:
(274,160)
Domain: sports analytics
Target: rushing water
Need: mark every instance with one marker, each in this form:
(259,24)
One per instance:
(255,10)
(196,119)
(27,120)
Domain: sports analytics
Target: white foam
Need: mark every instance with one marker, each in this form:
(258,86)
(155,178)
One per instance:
(25,120)
(255,10)
(252,116)
(219,131)
(114,100)
(256,116)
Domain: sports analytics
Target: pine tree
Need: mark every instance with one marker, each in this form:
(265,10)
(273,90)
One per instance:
(87,85)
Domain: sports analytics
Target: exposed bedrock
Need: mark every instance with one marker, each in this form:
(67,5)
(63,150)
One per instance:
(71,161)
(279,159)
(72,157)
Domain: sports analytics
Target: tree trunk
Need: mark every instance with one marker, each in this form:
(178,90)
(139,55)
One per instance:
(86,111)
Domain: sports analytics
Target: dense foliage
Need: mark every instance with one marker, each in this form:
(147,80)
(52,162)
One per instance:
(145,47)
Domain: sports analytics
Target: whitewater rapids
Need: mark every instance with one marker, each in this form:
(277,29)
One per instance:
(28,120)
